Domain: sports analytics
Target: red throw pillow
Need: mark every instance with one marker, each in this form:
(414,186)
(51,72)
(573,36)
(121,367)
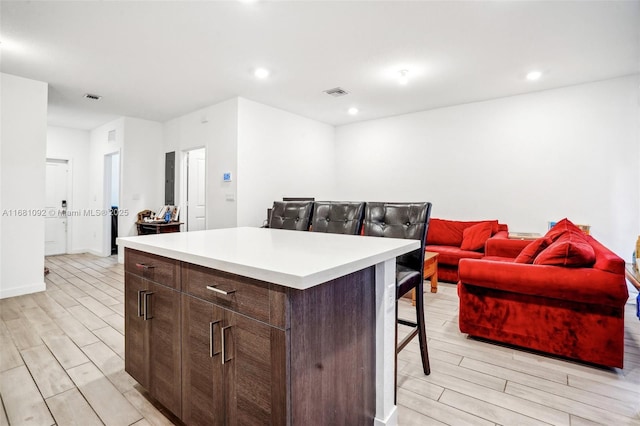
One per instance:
(560,228)
(474,237)
(529,253)
(570,249)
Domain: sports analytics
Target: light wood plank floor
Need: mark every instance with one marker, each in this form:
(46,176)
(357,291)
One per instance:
(61,363)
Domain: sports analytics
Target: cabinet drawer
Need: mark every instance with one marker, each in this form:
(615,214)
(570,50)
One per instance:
(240,294)
(155,268)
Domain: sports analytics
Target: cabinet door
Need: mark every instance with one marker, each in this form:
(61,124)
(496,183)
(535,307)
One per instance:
(162,312)
(255,371)
(136,349)
(202,394)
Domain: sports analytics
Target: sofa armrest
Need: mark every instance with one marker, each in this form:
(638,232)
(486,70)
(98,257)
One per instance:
(586,285)
(501,246)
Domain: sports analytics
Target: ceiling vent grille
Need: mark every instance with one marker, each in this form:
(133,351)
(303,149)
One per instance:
(92,96)
(111,136)
(336,92)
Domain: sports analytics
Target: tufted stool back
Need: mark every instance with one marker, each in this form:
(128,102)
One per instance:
(293,215)
(400,220)
(337,217)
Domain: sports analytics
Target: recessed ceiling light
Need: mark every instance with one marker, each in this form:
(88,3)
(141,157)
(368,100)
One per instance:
(534,75)
(353,110)
(403,77)
(261,73)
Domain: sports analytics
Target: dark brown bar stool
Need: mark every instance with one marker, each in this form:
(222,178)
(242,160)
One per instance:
(337,217)
(410,221)
(293,215)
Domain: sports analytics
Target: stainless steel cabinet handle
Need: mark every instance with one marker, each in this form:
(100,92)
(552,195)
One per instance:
(140,310)
(217,290)
(212,352)
(145,303)
(223,349)
(143,266)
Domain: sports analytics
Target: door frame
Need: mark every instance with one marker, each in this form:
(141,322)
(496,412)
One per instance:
(184,178)
(106,200)
(70,223)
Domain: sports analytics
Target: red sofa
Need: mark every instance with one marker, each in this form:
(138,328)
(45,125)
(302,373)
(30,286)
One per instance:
(454,240)
(563,294)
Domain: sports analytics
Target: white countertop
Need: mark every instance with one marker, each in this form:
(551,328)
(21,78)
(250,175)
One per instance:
(290,258)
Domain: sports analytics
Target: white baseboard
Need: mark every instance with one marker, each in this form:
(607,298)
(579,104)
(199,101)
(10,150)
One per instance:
(391,420)
(77,251)
(19,291)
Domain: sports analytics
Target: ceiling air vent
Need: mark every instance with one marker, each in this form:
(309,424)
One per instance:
(92,97)
(336,92)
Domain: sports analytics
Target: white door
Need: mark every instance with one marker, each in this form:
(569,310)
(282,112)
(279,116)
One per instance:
(55,224)
(196,190)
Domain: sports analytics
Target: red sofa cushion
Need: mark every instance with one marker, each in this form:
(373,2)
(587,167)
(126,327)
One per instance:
(529,253)
(451,255)
(606,260)
(560,228)
(475,236)
(449,232)
(586,285)
(569,249)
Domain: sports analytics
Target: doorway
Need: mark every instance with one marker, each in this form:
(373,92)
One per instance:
(111,202)
(195,167)
(56,202)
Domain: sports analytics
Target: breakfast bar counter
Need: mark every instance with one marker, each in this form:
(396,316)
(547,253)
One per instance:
(264,326)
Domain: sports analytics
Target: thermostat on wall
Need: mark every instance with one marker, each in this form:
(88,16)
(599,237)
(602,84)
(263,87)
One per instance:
(226,177)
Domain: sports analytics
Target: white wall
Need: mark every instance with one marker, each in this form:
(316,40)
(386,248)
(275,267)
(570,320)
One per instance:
(23,131)
(142,170)
(139,143)
(524,160)
(280,154)
(73,145)
(216,129)
(99,146)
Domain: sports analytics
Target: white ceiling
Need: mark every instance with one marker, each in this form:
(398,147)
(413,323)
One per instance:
(159,60)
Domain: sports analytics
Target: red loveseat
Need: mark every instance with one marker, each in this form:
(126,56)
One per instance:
(455,240)
(567,298)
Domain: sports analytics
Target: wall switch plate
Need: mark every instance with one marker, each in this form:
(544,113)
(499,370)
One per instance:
(230,197)
(226,177)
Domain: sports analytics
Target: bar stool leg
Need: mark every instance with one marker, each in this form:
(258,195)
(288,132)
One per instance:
(422,335)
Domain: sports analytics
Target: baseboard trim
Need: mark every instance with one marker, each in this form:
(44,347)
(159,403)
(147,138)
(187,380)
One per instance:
(19,291)
(391,420)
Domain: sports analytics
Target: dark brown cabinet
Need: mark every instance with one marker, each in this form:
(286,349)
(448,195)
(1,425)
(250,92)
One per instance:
(222,349)
(233,367)
(202,369)
(152,337)
(136,348)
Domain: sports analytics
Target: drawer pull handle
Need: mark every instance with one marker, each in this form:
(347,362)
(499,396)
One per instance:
(143,266)
(223,349)
(140,310)
(145,300)
(217,290)
(212,352)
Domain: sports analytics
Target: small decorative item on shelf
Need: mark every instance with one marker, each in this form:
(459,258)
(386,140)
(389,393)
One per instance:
(585,228)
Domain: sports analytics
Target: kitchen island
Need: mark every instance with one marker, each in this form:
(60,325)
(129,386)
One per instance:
(264,326)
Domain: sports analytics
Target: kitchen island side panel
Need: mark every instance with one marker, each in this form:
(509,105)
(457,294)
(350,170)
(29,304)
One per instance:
(333,337)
